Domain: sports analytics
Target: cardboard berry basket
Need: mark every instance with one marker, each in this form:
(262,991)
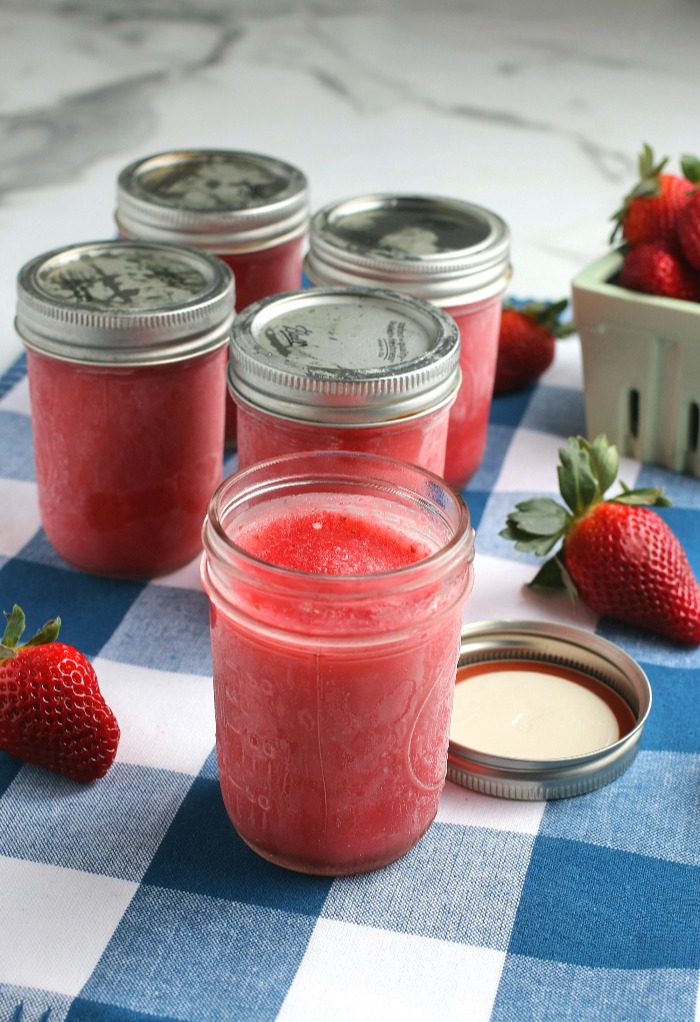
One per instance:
(641,368)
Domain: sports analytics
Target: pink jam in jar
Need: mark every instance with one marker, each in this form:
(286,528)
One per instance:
(344,368)
(446,251)
(126,353)
(337,583)
(250,210)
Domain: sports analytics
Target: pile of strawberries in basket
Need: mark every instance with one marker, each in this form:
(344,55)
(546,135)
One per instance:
(659,224)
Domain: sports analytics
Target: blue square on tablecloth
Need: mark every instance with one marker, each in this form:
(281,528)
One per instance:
(509,409)
(497,444)
(90,607)
(591,906)
(40,551)
(683,490)
(558,410)
(11,377)
(17,450)
(648,648)
(459,884)
(203,854)
(167,629)
(553,991)
(9,768)
(112,827)
(186,956)
(672,723)
(660,785)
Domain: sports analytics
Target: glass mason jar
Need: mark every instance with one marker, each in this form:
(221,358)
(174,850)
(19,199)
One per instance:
(344,369)
(126,351)
(337,582)
(249,209)
(452,253)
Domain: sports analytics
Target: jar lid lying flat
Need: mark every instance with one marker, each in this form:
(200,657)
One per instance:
(344,355)
(436,248)
(543,711)
(124,303)
(218,199)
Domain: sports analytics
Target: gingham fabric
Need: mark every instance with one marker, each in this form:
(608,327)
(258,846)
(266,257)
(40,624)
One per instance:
(132,899)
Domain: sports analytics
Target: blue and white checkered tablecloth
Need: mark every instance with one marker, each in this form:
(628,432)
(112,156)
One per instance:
(133,899)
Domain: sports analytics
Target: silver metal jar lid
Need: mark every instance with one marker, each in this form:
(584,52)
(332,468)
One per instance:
(436,248)
(556,648)
(217,199)
(344,355)
(124,303)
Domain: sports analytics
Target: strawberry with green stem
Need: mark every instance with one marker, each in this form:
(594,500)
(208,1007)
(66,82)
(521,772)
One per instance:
(650,210)
(52,712)
(619,556)
(527,340)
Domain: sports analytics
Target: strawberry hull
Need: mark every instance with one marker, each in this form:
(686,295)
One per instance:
(641,368)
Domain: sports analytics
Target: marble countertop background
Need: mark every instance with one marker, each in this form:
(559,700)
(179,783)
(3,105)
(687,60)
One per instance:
(534,109)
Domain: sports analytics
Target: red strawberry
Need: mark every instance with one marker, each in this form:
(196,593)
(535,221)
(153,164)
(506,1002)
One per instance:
(649,212)
(660,268)
(620,557)
(52,712)
(688,229)
(526,342)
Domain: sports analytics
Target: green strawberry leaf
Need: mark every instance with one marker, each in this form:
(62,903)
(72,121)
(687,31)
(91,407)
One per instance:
(605,462)
(540,516)
(47,633)
(651,496)
(549,576)
(577,483)
(14,628)
(690,165)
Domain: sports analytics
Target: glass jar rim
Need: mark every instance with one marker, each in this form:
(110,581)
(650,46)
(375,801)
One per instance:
(219,545)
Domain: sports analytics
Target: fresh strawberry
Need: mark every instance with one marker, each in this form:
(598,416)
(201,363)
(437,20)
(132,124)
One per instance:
(649,212)
(619,556)
(52,712)
(660,268)
(526,342)
(688,229)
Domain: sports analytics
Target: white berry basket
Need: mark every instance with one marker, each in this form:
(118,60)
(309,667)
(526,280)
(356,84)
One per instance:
(641,368)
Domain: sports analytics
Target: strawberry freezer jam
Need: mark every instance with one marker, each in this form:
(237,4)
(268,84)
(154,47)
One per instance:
(126,460)
(335,626)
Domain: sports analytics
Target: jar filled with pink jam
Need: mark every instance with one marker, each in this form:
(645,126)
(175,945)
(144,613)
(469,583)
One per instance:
(446,251)
(337,583)
(249,209)
(126,354)
(344,368)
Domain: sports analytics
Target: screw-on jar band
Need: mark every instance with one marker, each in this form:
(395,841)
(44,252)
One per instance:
(440,249)
(344,355)
(217,199)
(124,303)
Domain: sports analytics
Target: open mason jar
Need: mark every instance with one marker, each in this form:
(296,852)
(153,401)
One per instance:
(337,582)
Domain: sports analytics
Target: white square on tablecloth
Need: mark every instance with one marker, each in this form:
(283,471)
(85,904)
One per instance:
(20,515)
(166,718)
(17,398)
(466,808)
(351,972)
(46,909)
(501,593)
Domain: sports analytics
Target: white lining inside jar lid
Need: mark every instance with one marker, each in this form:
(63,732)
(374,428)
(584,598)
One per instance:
(530,710)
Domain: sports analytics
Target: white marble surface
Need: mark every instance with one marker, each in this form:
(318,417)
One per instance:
(534,108)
